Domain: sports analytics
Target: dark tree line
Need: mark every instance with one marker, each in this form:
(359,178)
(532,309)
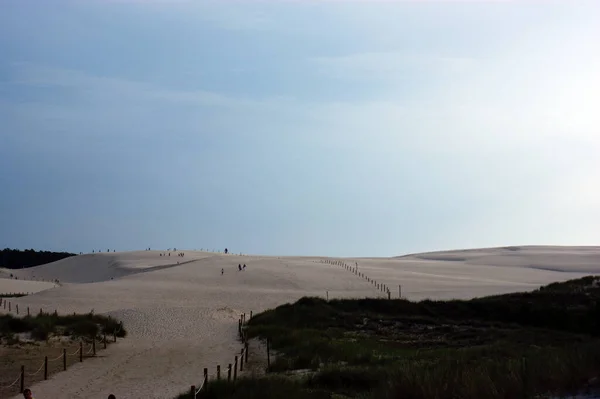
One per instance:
(17,259)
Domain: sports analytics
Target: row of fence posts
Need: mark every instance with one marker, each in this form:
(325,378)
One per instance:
(238,360)
(5,303)
(92,350)
(380,286)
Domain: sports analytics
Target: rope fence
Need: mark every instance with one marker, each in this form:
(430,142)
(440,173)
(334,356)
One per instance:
(14,383)
(64,356)
(37,372)
(74,353)
(196,392)
(58,358)
(232,368)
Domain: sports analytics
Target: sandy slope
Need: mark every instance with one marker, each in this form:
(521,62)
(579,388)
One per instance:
(183,317)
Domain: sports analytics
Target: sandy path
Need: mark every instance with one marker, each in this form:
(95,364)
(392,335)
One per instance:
(182,318)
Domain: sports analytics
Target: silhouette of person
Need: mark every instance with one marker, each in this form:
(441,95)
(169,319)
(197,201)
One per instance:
(222,271)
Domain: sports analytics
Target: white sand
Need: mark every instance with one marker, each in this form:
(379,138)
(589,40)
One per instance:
(182,318)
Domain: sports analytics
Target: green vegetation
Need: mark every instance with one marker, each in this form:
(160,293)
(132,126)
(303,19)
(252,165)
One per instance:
(43,326)
(512,346)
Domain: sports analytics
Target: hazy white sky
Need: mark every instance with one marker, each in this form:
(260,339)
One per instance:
(343,128)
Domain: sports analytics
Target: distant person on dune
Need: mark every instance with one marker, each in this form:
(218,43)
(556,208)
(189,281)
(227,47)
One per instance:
(226,251)
(244,266)
(222,271)
(239,267)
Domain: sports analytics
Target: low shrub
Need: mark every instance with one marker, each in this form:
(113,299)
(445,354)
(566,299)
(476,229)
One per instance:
(43,325)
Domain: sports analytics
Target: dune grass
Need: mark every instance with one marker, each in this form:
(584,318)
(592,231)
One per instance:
(42,326)
(271,387)
(522,345)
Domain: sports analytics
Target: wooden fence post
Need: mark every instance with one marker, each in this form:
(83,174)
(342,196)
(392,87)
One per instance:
(218,371)
(27,310)
(115,336)
(80,351)
(250,315)
(205,377)
(327,294)
(235,366)
(246,351)
(193,390)
(242,360)
(17,306)
(9,306)
(389,295)
(94,346)
(524,377)
(399,291)
(268,354)
(229,373)
(64,359)
(45,367)
(22,379)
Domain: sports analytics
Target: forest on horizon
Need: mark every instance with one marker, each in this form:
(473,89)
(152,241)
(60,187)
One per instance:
(17,259)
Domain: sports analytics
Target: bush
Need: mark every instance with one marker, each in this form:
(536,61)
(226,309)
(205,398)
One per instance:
(41,331)
(83,328)
(348,380)
(42,325)
(10,324)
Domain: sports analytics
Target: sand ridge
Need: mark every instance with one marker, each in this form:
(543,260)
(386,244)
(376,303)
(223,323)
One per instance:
(183,317)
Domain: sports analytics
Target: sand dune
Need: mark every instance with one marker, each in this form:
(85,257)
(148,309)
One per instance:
(182,317)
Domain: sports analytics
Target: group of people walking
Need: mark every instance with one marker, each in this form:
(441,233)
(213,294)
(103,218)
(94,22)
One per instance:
(240,268)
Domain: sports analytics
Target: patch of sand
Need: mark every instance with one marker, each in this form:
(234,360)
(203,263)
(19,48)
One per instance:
(9,286)
(182,318)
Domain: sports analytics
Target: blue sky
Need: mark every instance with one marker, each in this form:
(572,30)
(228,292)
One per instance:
(299,128)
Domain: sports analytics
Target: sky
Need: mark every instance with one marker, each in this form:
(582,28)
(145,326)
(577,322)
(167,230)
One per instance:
(333,128)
